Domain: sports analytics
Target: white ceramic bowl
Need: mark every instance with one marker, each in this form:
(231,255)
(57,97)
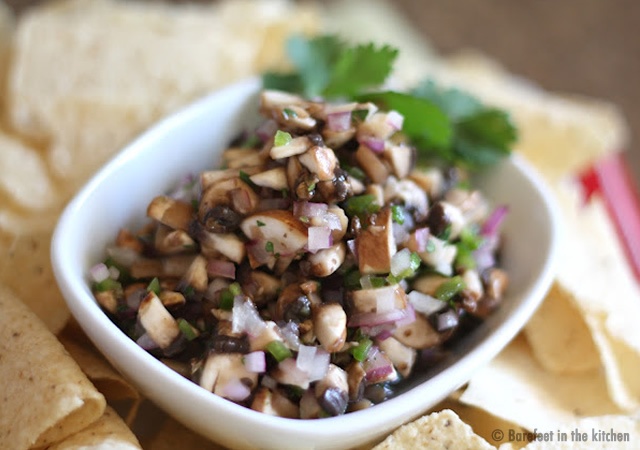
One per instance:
(191,141)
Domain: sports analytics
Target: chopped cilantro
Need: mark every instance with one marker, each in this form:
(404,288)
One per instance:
(289,113)
(269,246)
(244,176)
(154,286)
(397,214)
(281,138)
(278,350)
(361,350)
(189,331)
(450,288)
(361,204)
(260,223)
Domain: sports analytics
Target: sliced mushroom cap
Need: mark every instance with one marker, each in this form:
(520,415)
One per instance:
(236,158)
(365,301)
(401,158)
(275,178)
(196,275)
(356,380)
(430,180)
(275,235)
(375,245)
(233,193)
(325,262)
(173,213)
(402,356)
(473,204)
(226,375)
(446,218)
(209,177)
(169,241)
(439,255)
(428,284)
(213,245)
(269,333)
(408,193)
(274,403)
(330,326)
(371,164)
(261,287)
(296,146)
(321,161)
(419,334)
(159,324)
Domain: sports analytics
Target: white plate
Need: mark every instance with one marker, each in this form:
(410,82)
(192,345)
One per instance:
(191,141)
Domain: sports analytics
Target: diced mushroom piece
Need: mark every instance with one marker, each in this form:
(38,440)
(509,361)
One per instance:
(337,233)
(288,373)
(332,391)
(209,177)
(237,158)
(473,284)
(377,191)
(321,161)
(336,139)
(401,158)
(293,305)
(125,239)
(196,275)
(356,377)
(409,193)
(473,205)
(276,235)
(272,99)
(274,403)
(440,255)
(375,245)
(309,406)
(225,375)
(169,266)
(429,284)
(172,298)
(360,405)
(229,245)
(159,324)
(261,287)
(168,241)
(108,300)
(173,213)
(496,283)
(296,146)
(325,262)
(419,334)
(366,301)
(233,193)
(330,326)
(357,186)
(296,117)
(444,217)
(371,164)
(402,356)
(268,333)
(430,180)
(378,125)
(275,178)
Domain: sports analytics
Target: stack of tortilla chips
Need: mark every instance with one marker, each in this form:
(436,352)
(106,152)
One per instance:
(82,78)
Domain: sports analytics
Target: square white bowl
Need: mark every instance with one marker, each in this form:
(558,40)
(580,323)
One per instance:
(191,141)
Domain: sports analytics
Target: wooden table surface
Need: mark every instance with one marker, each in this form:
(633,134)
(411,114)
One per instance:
(587,47)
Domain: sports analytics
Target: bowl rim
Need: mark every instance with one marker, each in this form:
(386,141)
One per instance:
(114,344)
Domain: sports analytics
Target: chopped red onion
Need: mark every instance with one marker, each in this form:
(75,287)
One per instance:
(491,226)
(377,366)
(99,272)
(305,358)
(409,317)
(332,220)
(221,268)
(375,144)
(235,390)
(309,209)
(268,382)
(255,362)
(146,342)
(319,238)
(266,130)
(291,335)
(320,365)
(401,262)
(245,317)
(395,119)
(425,304)
(372,319)
(114,273)
(294,375)
(421,236)
(339,121)
(447,320)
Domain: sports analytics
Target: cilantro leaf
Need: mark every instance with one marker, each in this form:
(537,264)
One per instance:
(326,66)
(424,122)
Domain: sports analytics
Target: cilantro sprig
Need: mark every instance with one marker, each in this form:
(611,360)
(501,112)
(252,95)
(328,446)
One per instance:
(444,124)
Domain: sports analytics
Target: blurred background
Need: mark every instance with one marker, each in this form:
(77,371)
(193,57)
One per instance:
(589,47)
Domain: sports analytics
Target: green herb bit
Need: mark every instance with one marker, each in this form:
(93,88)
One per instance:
(189,331)
(235,288)
(360,351)
(154,286)
(244,176)
(397,214)
(352,280)
(278,350)
(289,113)
(354,171)
(361,204)
(431,246)
(281,138)
(260,223)
(226,300)
(450,288)
(269,247)
(108,284)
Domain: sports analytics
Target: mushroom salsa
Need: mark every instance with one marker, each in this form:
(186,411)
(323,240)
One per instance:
(314,272)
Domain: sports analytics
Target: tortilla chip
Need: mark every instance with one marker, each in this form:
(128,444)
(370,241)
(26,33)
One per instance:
(172,435)
(117,391)
(559,336)
(438,430)
(25,180)
(516,388)
(45,397)
(6,32)
(25,268)
(107,433)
